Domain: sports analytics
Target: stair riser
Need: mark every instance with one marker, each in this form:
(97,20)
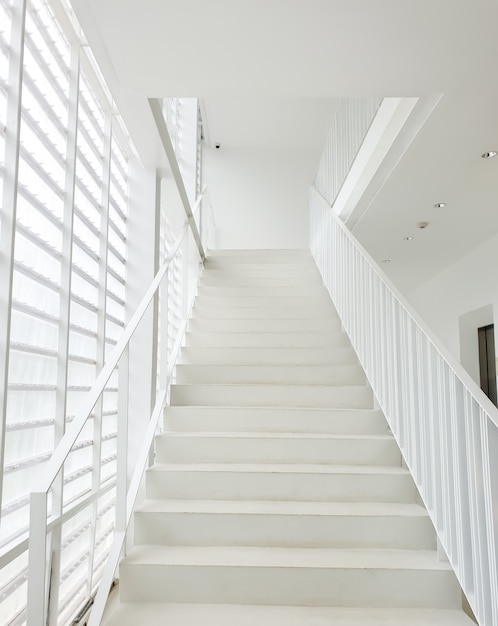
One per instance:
(275,312)
(268,266)
(266,340)
(320,303)
(350,397)
(226,291)
(223,419)
(274,356)
(264,374)
(265,326)
(246,450)
(235,485)
(325,531)
(220,278)
(274,272)
(302,254)
(285,585)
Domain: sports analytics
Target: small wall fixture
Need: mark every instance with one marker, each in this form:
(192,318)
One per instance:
(386,261)
(422,225)
(489,155)
(440,205)
(407,238)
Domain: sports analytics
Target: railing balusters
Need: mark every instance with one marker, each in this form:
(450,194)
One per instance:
(446,428)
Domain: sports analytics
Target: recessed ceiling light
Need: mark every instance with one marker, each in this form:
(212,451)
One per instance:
(489,155)
(386,261)
(407,238)
(440,205)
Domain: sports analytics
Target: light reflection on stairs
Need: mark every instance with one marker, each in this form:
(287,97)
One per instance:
(278,496)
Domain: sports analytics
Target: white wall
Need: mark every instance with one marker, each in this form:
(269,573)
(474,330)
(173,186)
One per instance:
(462,294)
(259,196)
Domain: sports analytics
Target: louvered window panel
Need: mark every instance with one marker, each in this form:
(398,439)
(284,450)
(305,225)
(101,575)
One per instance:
(96,301)
(5,27)
(37,268)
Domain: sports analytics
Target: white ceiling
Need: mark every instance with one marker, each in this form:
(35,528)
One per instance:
(269,71)
(269,122)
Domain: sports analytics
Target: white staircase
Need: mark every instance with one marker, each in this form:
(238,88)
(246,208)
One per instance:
(278,496)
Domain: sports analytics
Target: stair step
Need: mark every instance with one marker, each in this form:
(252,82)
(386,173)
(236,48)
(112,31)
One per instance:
(258,481)
(227,291)
(272,253)
(266,340)
(133,613)
(305,576)
(347,396)
(232,311)
(268,268)
(283,374)
(320,303)
(268,356)
(276,448)
(325,325)
(263,262)
(273,420)
(231,278)
(299,524)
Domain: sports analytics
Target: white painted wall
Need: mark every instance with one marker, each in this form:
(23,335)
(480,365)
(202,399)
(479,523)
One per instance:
(463,295)
(259,197)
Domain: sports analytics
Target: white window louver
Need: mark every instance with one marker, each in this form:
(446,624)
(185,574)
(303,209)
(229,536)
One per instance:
(96,306)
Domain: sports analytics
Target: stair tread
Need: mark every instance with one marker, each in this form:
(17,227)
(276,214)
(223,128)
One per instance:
(274,409)
(282,384)
(283,507)
(274,435)
(251,556)
(296,468)
(151,614)
(258,366)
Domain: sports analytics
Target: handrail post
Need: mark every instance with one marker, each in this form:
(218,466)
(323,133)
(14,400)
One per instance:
(155,301)
(122,443)
(37,556)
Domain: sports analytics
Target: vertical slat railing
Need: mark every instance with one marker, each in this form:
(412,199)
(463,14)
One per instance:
(349,127)
(447,429)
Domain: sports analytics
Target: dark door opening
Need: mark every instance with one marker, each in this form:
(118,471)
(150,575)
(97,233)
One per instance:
(487,362)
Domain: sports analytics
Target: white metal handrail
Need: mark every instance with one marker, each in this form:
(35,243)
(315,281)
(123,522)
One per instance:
(39,522)
(106,581)
(445,426)
(101,597)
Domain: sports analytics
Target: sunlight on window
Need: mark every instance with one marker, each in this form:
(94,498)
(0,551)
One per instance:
(99,227)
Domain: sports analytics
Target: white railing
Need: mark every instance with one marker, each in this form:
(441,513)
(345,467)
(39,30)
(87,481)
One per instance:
(349,128)
(445,426)
(42,525)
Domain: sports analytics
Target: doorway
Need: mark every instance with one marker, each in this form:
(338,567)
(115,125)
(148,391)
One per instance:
(487,361)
